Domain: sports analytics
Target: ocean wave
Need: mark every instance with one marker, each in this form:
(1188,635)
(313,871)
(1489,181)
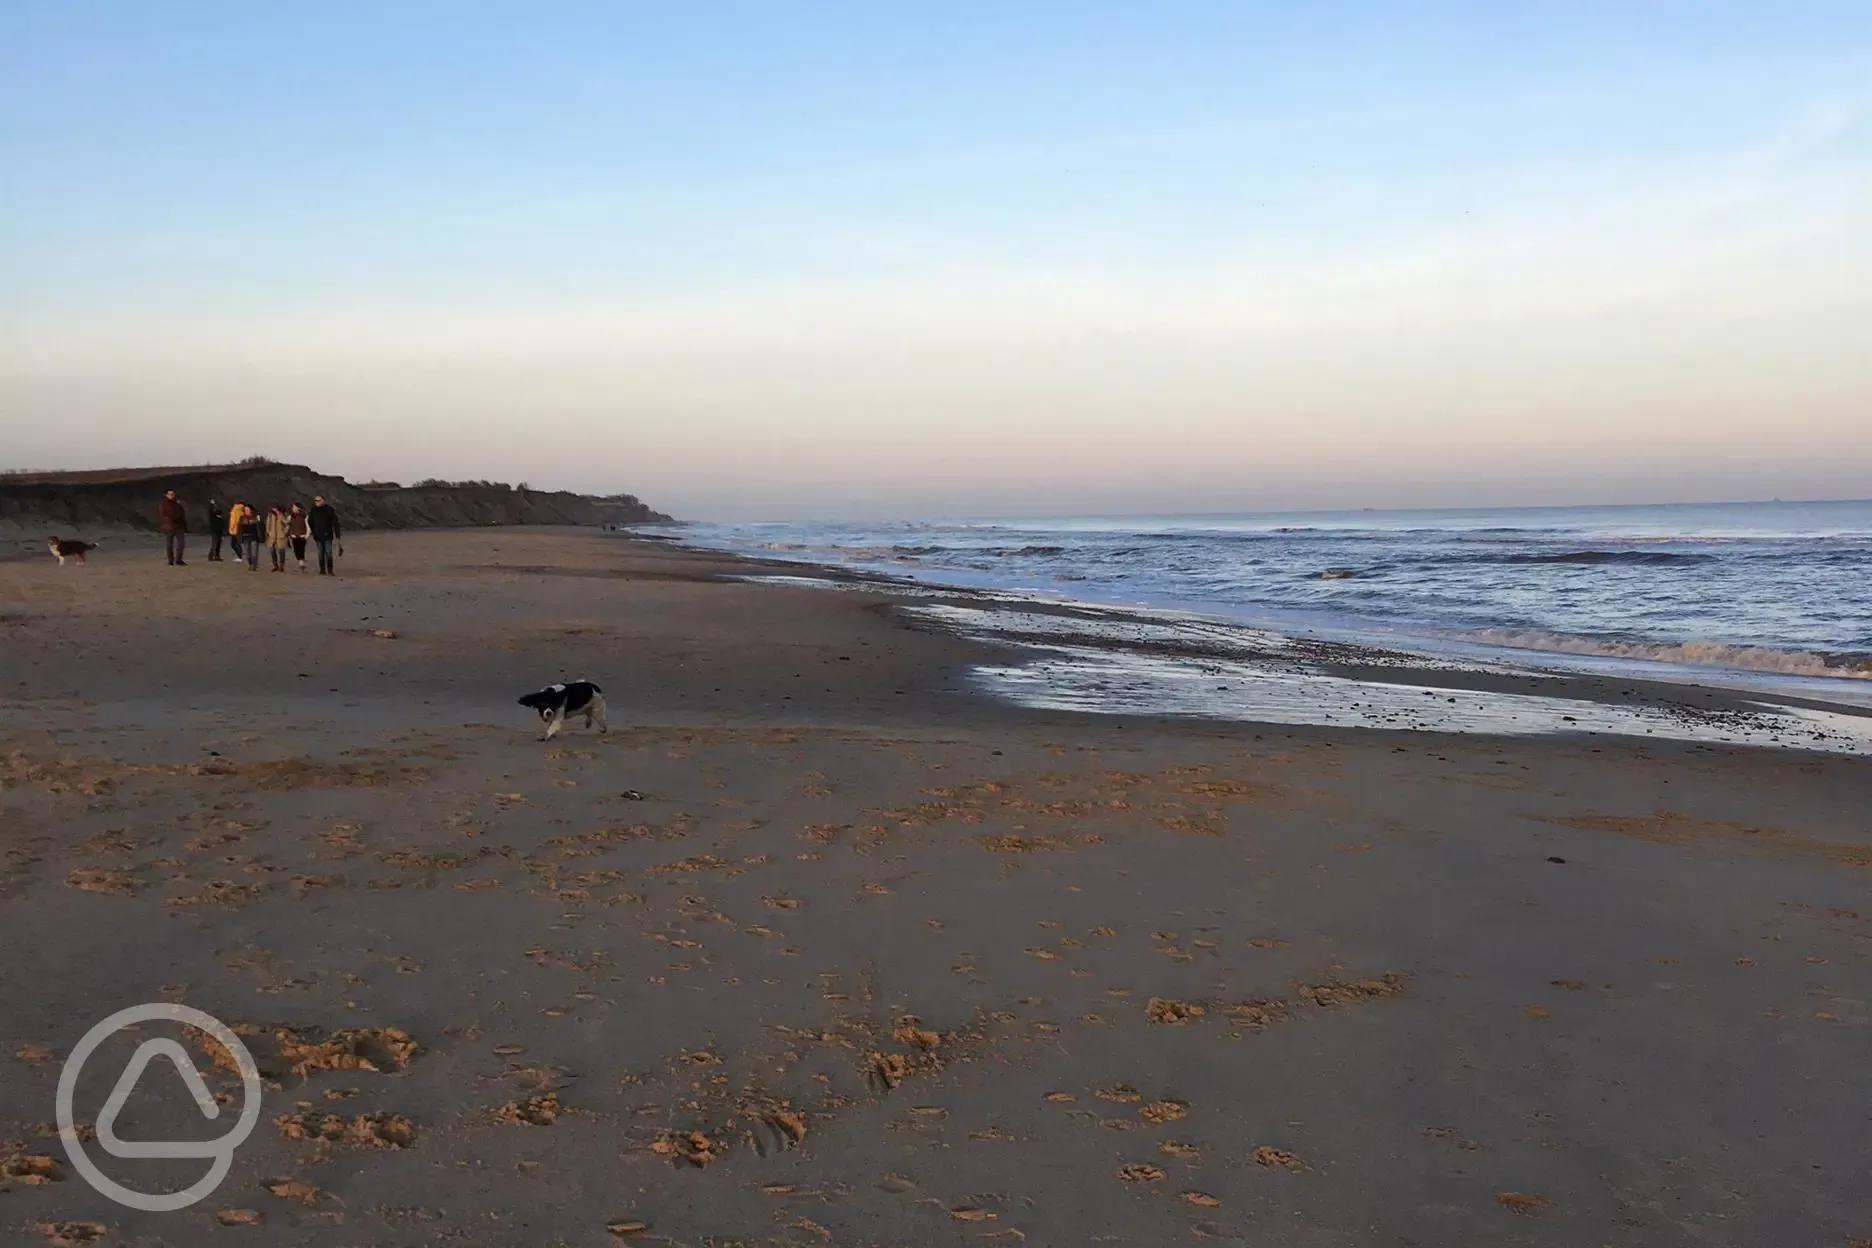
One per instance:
(1785,602)
(1518,529)
(1511,536)
(1838,664)
(1684,539)
(1156,536)
(1645,557)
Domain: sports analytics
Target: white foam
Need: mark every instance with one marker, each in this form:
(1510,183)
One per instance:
(794,582)
(1699,653)
(1110,624)
(890,588)
(1128,683)
(1171,628)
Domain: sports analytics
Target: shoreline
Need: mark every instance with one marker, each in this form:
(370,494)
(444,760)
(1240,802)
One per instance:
(1099,566)
(1767,715)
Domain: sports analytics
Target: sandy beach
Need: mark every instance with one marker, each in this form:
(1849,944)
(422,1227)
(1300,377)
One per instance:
(820,944)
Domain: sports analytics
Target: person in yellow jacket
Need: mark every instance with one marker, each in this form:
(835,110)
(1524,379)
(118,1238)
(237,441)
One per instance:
(276,531)
(237,512)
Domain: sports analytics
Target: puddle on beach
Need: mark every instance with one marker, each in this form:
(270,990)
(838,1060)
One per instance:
(1272,680)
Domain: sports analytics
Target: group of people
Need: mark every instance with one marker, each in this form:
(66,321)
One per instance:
(286,527)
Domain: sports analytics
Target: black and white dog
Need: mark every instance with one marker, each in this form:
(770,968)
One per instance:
(64,548)
(557,702)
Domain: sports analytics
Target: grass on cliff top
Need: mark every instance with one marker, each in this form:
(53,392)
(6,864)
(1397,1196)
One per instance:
(111,476)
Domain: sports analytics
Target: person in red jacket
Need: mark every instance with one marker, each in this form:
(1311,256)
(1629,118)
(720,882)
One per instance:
(174,527)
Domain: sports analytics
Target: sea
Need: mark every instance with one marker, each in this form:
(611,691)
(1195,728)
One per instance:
(1750,594)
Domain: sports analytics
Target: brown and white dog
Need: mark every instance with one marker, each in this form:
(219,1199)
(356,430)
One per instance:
(64,548)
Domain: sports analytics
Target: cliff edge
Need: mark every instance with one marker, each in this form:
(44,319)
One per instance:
(127,498)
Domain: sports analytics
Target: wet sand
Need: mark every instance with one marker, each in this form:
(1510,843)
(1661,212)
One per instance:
(821,945)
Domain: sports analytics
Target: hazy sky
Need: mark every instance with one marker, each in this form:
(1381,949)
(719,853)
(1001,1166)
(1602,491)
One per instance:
(789,260)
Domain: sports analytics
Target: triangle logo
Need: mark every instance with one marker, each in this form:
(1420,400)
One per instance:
(146,1053)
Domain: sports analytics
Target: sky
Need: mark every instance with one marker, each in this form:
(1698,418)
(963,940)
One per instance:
(1058,257)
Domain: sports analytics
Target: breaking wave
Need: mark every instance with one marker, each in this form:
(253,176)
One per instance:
(1837,664)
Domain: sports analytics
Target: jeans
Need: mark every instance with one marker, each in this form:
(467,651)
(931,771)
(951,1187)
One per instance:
(279,557)
(298,547)
(326,567)
(214,543)
(234,543)
(253,552)
(174,540)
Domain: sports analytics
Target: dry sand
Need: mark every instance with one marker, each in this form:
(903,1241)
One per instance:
(817,946)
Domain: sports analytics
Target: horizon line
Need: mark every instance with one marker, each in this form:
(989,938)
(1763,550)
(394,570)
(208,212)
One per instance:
(1310,511)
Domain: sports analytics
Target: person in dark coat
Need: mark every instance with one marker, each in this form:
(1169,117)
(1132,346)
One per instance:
(174,527)
(217,530)
(251,534)
(322,520)
(298,530)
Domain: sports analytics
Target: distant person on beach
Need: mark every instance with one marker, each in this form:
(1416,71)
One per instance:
(297,530)
(322,521)
(217,530)
(276,536)
(234,527)
(174,527)
(250,534)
